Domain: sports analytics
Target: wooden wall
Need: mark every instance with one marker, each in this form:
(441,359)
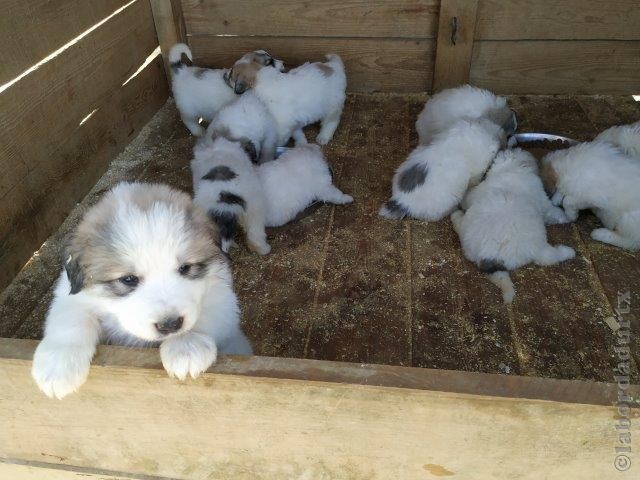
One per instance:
(51,150)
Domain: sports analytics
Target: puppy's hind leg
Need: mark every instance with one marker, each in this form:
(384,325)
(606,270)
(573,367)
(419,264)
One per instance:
(550,255)
(329,126)
(256,236)
(268,149)
(456,219)
(611,237)
(333,195)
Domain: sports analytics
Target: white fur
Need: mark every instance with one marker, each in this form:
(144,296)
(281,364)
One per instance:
(153,243)
(296,179)
(598,176)
(625,137)
(447,107)
(225,153)
(455,160)
(504,223)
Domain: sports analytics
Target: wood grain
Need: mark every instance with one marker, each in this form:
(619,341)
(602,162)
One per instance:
(455,43)
(373,65)
(327,18)
(557,67)
(170,27)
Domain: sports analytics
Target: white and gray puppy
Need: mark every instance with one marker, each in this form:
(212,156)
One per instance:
(226,185)
(434,178)
(142,267)
(248,120)
(298,178)
(625,137)
(600,177)
(504,224)
(202,92)
(465,102)
(309,93)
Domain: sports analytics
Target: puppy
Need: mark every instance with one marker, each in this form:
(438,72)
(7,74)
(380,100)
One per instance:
(466,102)
(298,178)
(600,177)
(435,177)
(142,267)
(249,120)
(226,185)
(201,92)
(625,137)
(309,93)
(504,224)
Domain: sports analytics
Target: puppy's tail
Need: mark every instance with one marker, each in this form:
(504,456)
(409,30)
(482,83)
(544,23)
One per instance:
(175,57)
(226,223)
(499,276)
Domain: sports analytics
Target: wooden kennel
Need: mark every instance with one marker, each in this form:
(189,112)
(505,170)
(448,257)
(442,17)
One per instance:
(385,355)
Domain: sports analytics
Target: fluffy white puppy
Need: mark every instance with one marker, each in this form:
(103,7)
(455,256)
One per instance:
(226,185)
(143,266)
(625,137)
(504,224)
(600,177)
(465,102)
(249,120)
(435,177)
(309,93)
(298,178)
(201,92)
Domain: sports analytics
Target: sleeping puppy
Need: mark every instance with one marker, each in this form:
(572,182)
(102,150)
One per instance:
(226,186)
(466,102)
(598,176)
(298,178)
(435,177)
(201,92)
(504,224)
(625,137)
(309,93)
(142,268)
(249,119)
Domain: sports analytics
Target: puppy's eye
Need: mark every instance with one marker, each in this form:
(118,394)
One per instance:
(184,269)
(129,280)
(270,62)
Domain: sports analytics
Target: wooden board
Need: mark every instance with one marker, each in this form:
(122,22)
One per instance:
(170,27)
(32,29)
(455,43)
(17,470)
(372,64)
(332,18)
(52,145)
(558,20)
(558,67)
(229,425)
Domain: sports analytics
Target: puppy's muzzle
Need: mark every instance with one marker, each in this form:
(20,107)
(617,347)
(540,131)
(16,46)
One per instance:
(169,325)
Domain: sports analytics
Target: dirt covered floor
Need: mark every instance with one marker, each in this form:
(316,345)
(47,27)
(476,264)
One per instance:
(345,284)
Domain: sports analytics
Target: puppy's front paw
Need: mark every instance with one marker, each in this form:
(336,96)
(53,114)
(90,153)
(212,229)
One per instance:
(59,368)
(557,199)
(188,354)
(557,216)
(323,139)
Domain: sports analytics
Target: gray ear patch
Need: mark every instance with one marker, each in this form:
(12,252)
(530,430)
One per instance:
(412,178)
(74,274)
(220,173)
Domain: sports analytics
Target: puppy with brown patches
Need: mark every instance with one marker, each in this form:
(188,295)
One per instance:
(307,94)
(625,137)
(600,177)
(142,267)
(202,92)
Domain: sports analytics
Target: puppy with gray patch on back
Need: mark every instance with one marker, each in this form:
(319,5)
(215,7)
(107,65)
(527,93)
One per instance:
(295,180)
(625,137)
(503,227)
(307,94)
(600,177)
(434,178)
(142,267)
(202,92)
(226,186)
(465,102)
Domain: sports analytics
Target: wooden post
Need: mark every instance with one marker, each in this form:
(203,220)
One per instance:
(170,27)
(454,47)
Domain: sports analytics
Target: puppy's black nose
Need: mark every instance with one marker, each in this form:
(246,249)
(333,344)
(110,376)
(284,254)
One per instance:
(169,325)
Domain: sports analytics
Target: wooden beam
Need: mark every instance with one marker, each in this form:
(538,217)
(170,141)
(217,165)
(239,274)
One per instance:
(170,27)
(454,47)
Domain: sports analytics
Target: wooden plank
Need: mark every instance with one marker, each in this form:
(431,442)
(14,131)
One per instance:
(328,18)
(32,29)
(51,144)
(18,470)
(455,43)
(296,428)
(557,67)
(558,20)
(170,27)
(372,64)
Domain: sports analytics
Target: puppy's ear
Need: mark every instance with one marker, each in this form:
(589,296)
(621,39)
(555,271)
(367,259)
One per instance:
(250,149)
(75,271)
(240,87)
